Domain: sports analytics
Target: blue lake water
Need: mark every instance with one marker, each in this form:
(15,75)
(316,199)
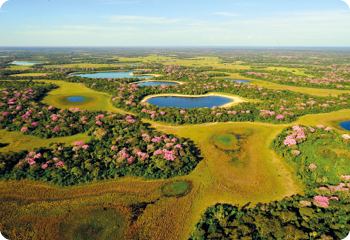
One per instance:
(75,99)
(110,75)
(239,80)
(156,83)
(345,125)
(25,63)
(189,102)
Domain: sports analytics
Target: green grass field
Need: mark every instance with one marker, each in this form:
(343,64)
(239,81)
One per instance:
(30,74)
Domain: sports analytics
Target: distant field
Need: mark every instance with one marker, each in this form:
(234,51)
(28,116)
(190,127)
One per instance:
(18,67)
(81,65)
(313,91)
(297,71)
(30,74)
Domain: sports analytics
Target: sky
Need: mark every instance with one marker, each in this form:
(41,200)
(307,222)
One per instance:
(287,23)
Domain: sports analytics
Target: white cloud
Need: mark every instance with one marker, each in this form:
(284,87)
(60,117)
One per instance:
(1,2)
(227,14)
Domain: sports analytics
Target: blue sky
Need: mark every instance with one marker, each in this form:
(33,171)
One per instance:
(175,23)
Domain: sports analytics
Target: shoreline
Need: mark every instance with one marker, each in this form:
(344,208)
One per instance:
(234,99)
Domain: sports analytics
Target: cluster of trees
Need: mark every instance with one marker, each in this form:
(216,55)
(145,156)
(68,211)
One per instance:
(291,218)
(20,111)
(120,144)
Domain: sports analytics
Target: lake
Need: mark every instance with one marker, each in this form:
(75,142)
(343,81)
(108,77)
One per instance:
(75,99)
(345,125)
(25,63)
(110,75)
(239,80)
(189,102)
(156,83)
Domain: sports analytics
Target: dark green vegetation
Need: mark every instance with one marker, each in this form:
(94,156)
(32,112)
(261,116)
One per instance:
(175,188)
(286,219)
(226,142)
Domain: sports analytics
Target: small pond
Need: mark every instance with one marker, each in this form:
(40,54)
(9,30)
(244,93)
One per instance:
(25,63)
(75,99)
(156,83)
(110,75)
(345,125)
(238,80)
(189,102)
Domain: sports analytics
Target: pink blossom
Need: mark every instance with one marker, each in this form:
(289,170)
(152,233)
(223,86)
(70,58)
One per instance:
(321,201)
(346,136)
(55,129)
(24,129)
(296,152)
(320,126)
(178,146)
(130,160)
(346,177)
(312,166)
(279,116)
(85,146)
(114,148)
(44,166)
(59,164)
(79,143)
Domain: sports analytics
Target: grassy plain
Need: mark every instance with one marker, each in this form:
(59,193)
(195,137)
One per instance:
(15,141)
(237,167)
(297,71)
(18,67)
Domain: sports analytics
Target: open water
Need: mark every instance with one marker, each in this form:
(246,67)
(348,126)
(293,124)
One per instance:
(189,102)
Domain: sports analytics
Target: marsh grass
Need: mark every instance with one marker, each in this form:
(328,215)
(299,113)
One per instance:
(175,188)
